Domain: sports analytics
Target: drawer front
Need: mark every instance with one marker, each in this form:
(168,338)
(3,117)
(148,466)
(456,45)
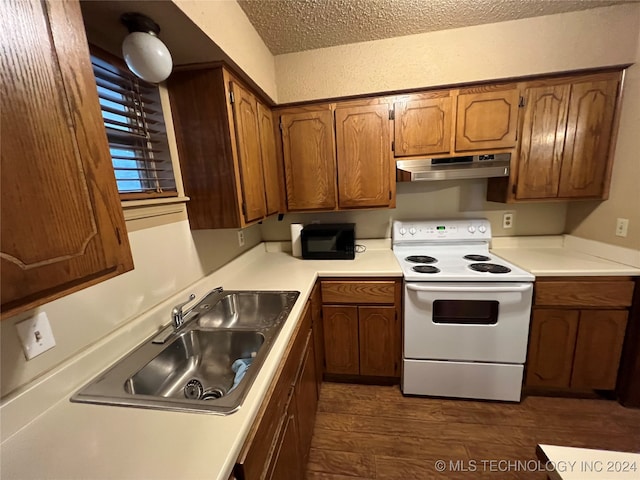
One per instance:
(376,292)
(584,294)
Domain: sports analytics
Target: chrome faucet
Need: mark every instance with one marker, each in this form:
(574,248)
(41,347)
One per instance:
(177,316)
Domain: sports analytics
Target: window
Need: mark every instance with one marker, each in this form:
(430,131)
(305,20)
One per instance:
(132,114)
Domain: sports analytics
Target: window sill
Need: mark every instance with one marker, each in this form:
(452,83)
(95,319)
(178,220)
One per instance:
(135,210)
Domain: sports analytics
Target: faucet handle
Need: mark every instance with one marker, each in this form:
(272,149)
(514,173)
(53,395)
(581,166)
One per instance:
(176,312)
(178,308)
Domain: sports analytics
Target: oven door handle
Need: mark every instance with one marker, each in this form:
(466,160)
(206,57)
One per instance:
(469,289)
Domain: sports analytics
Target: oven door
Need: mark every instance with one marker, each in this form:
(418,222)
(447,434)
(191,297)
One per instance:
(480,322)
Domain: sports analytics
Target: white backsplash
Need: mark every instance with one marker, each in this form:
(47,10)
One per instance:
(432,200)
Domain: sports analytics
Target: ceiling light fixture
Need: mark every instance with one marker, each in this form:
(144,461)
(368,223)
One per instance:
(144,53)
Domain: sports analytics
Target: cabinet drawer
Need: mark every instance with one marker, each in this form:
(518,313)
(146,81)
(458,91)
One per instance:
(584,294)
(379,292)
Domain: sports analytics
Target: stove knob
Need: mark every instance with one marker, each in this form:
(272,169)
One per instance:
(471,229)
(412,231)
(403,230)
(482,229)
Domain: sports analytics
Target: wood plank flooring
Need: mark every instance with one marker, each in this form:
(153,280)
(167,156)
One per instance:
(373,432)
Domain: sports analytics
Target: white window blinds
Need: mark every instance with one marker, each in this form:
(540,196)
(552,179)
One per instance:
(133,118)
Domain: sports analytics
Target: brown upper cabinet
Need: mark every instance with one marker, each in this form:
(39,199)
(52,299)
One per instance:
(423,125)
(226,153)
(366,170)
(567,135)
(349,165)
(486,118)
(308,151)
(62,223)
(269,159)
(450,122)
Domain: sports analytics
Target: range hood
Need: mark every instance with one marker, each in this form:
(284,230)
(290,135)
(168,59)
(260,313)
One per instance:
(476,166)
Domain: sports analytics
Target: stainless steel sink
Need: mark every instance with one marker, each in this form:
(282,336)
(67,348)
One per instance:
(242,310)
(198,365)
(203,366)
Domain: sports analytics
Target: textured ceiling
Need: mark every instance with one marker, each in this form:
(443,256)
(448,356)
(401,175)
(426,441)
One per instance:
(294,25)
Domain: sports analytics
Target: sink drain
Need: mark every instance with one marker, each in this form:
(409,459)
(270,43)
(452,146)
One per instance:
(213,394)
(193,390)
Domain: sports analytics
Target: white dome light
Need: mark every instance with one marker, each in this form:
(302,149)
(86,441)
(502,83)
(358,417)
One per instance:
(144,53)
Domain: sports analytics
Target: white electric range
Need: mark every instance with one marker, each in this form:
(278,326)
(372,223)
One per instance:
(466,312)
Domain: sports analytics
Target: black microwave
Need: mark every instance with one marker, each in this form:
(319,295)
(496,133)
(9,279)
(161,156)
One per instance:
(328,241)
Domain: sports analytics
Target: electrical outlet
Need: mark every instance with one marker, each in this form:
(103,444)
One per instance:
(507,220)
(622,225)
(36,335)
(240,238)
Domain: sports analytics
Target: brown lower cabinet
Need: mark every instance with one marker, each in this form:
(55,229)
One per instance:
(577,332)
(277,446)
(318,333)
(362,327)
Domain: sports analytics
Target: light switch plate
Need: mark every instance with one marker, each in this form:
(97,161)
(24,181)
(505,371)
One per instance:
(36,335)
(622,225)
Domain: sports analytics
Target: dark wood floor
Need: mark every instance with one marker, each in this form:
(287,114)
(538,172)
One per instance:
(372,432)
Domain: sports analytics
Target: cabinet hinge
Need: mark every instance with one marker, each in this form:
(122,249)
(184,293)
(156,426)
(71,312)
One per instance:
(281,127)
(232,97)
(244,210)
(393,145)
(522,102)
(392,114)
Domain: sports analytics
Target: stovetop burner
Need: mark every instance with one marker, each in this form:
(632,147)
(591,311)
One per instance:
(420,259)
(425,269)
(477,258)
(454,250)
(489,267)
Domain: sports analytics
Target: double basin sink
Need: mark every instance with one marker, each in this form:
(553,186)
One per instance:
(207,365)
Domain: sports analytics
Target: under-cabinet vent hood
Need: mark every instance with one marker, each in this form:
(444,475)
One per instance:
(476,166)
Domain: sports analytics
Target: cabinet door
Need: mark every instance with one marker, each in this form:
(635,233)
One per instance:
(62,223)
(308,149)
(318,333)
(598,348)
(269,159)
(364,156)
(379,331)
(589,130)
(486,119)
(423,127)
(286,462)
(306,397)
(542,141)
(551,347)
(341,339)
(245,115)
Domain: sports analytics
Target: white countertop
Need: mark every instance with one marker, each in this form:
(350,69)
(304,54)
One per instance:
(563,256)
(47,436)
(569,463)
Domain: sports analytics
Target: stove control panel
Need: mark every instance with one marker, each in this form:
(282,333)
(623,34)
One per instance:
(438,230)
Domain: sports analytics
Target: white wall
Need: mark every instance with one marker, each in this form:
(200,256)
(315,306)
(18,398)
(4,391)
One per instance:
(430,200)
(229,28)
(569,41)
(167,259)
(597,220)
